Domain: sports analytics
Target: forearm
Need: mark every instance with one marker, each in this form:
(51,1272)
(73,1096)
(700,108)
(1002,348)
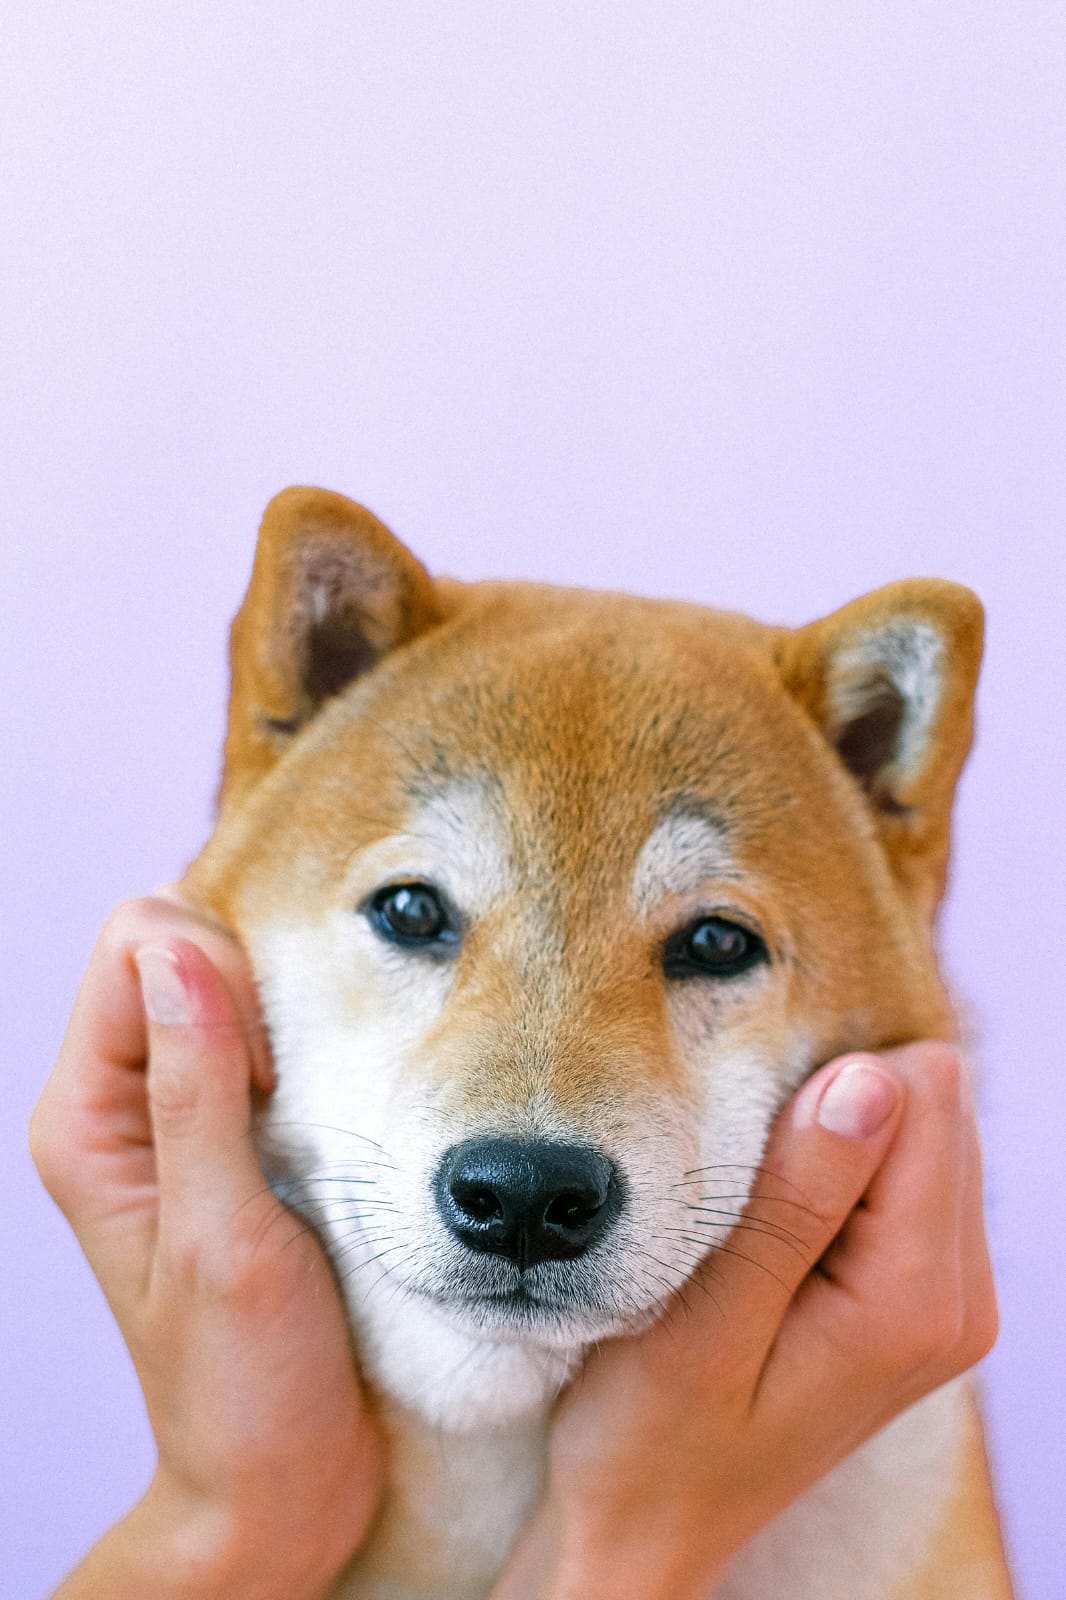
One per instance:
(169,1548)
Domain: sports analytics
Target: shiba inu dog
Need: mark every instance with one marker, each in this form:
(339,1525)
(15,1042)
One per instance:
(553,898)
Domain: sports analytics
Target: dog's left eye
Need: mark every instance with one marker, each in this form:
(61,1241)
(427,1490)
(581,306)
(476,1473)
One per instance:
(412,914)
(713,947)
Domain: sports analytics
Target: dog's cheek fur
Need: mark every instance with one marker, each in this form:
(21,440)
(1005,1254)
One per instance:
(341,1044)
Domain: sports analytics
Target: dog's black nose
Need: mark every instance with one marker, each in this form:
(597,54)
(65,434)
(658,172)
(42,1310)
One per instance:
(528,1200)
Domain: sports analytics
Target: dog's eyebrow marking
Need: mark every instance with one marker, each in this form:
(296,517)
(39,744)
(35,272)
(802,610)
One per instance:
(456,832)
(681,851)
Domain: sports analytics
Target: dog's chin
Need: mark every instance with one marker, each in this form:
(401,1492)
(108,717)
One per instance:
(522,1317)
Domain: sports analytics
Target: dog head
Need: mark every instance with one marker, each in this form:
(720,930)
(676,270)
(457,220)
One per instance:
(554,896)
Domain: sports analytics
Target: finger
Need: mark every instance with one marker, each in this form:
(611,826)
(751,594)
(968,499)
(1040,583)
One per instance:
(981,1318)
(105,1036)
(821,1155)
(173,914)
(229,957)
(199,1083)
(886,1312)
(90,1130)
(947,1193)
(909,1227)
(91,1133)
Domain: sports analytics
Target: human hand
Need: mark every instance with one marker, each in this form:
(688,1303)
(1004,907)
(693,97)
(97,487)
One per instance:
(675,1446)
(269,1467)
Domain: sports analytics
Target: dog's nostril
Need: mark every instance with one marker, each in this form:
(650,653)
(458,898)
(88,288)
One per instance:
(528,1200)
(478,1202)
(572,1211)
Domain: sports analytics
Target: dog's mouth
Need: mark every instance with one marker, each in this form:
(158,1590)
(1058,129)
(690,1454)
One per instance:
(545,1314)
(520,1295)
(518,1298)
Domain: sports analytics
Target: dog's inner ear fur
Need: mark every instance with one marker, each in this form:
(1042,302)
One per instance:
(889,680)
(882,695)
(330,621)
(332,590)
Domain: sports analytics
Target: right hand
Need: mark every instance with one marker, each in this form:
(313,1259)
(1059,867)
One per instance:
(269,1466)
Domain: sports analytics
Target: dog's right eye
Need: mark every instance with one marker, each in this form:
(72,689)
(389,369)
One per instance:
(412,914)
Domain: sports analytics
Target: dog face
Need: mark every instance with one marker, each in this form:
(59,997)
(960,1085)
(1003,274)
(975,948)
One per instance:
(553,898)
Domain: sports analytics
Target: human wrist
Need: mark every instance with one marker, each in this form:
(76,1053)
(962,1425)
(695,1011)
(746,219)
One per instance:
(245,1549)
(644,1565)
(176,1544)
(568,1554)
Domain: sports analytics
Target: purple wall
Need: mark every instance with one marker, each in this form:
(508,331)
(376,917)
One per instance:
(759,305)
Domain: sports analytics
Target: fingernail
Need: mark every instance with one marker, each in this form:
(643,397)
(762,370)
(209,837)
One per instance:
(859,1101)
(166,998)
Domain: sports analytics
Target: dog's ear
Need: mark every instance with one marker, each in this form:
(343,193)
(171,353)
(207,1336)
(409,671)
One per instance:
(890,680)
(331,591)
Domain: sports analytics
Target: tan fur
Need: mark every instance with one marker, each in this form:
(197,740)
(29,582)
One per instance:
(359,684)
(966,1560)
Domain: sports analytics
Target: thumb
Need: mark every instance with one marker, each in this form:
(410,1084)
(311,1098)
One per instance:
(823,1151)
(199,1083)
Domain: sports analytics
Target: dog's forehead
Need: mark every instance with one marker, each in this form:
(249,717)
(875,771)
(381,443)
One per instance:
(592,713)
(629,753)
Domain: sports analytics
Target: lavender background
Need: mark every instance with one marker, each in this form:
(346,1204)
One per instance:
(760,305)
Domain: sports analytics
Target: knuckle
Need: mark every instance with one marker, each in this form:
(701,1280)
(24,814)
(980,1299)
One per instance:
(936,1331)
(175,1101)
(45,1151)
(943,1071)
(911,1293)
(56,1161)
(981,1330)
(886,1354)
(927,1316)
(943,1334)
(182,1261)
(230,1270)
(129,924)
(238,1274)
(140,917)
(125,921)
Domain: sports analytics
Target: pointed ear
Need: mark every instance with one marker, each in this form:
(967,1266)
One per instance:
(889,680)
(331,591)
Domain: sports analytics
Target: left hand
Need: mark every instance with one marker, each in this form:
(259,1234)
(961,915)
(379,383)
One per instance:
(673,1447)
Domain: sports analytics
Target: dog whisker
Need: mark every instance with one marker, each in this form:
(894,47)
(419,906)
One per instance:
(769,1230)
(392,1274)
(343,1167)
(740,1212)
(309,1206)
(740,1166)
(750,1198)
(318,1216)
(361,1265)
(329,1127)
(341,1189)
(724,1250)
(361,1241)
